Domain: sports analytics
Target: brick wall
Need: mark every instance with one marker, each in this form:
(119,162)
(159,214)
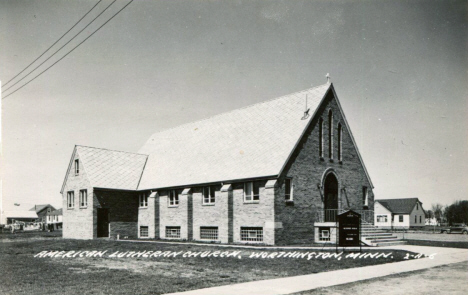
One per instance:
(211,214)
(77,222)
(307,170)
(173,216)
(259,214)
(148,216)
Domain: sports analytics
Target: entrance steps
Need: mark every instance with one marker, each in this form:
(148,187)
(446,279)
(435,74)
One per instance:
(373,236)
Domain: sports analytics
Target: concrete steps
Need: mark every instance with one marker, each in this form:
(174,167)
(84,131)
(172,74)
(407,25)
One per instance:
(373,236)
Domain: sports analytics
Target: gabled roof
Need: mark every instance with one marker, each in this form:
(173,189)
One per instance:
(55,212)
(39,208)
(109,169)
(251,142)
(402,206)
(20,214)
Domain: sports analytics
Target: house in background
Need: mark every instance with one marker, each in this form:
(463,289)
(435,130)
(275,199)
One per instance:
(54,219)
(23,216)
(399,213)
(276,172)
(42,210)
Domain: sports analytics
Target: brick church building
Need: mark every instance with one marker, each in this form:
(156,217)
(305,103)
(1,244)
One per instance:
(276,172)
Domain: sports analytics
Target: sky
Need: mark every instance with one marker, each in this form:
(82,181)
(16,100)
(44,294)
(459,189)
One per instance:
(399,69)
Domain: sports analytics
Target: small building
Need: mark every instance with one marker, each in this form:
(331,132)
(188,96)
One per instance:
(399,213)
(12,217)
(42,210)
(276,172)
(54,219)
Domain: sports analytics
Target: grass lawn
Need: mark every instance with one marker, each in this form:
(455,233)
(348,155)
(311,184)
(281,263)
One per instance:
(22,273)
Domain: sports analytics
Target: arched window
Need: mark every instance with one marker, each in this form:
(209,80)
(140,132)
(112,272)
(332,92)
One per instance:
(321,138)
(340,137)
(330,134)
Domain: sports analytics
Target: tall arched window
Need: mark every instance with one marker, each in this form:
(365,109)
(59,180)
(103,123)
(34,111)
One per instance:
(321,138)
(340,138)
(330,134)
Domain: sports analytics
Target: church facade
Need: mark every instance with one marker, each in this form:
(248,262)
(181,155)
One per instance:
(276,172)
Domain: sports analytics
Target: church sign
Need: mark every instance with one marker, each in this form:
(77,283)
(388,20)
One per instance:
(349,225)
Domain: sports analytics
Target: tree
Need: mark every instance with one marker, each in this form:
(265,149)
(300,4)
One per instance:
(429,214)
(457,212)
(438,213)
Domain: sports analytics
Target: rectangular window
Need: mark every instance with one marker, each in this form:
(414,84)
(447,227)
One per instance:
(339,142)
(400,219)
(420,219)
(209,233)
(365,197)
(172,232)
(83,198)
(252,234)
(143,200)
(77,167)
(330,134)
(324,234)
(321,138)
(173,198)
(415,219)
(288,189)
(71,199)
(209,196)
(382,218)
(143,231)
(251,193)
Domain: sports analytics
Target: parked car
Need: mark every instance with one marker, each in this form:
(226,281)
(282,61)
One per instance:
(456,228)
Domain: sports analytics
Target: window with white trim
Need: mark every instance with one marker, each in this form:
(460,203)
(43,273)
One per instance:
(252,234)
(172,232)
(83,198)
(209,196)
(382,218)
(340,135)
(330,135)
(251,193)
(173,198)
(324,234)
(209,233)
(288,189)
(400,218)
(71,199)
(143,200)
(143,231)
(77,167)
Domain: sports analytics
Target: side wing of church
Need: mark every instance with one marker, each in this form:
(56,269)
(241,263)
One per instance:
(276,172)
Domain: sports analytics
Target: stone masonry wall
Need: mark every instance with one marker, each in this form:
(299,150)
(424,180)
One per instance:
(307,168)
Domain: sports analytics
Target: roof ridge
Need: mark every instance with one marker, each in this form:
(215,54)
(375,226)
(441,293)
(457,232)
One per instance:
(86,146)
(241,108)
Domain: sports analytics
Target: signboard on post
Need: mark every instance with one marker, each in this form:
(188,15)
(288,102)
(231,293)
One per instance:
(349,229)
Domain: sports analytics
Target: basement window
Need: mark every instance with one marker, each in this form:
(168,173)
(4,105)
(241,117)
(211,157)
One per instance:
(324,234)
(143,231)
(209,233)
(172,232)
(252,234)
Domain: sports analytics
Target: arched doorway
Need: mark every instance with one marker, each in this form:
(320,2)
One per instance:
(331,197)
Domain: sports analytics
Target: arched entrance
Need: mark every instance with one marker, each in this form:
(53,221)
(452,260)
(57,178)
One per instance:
(331,197)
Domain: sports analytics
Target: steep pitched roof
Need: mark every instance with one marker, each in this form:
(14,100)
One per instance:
(403,206)
(255,141)
(110,169)
(39,208)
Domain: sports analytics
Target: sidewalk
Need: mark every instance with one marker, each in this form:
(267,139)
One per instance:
(326,279)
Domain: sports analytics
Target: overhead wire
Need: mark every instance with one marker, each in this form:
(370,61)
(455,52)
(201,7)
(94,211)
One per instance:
(62,45)
(53,44)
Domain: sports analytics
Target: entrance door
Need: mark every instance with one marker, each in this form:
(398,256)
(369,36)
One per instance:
(102,222)
(331,198)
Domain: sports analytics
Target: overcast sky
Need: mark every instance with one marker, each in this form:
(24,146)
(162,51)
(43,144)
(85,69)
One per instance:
(399,69)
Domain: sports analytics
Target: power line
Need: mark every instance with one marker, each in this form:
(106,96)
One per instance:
(62,46)
(70,50)
(53,44)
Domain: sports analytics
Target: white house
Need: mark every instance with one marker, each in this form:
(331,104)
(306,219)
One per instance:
(399,213)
